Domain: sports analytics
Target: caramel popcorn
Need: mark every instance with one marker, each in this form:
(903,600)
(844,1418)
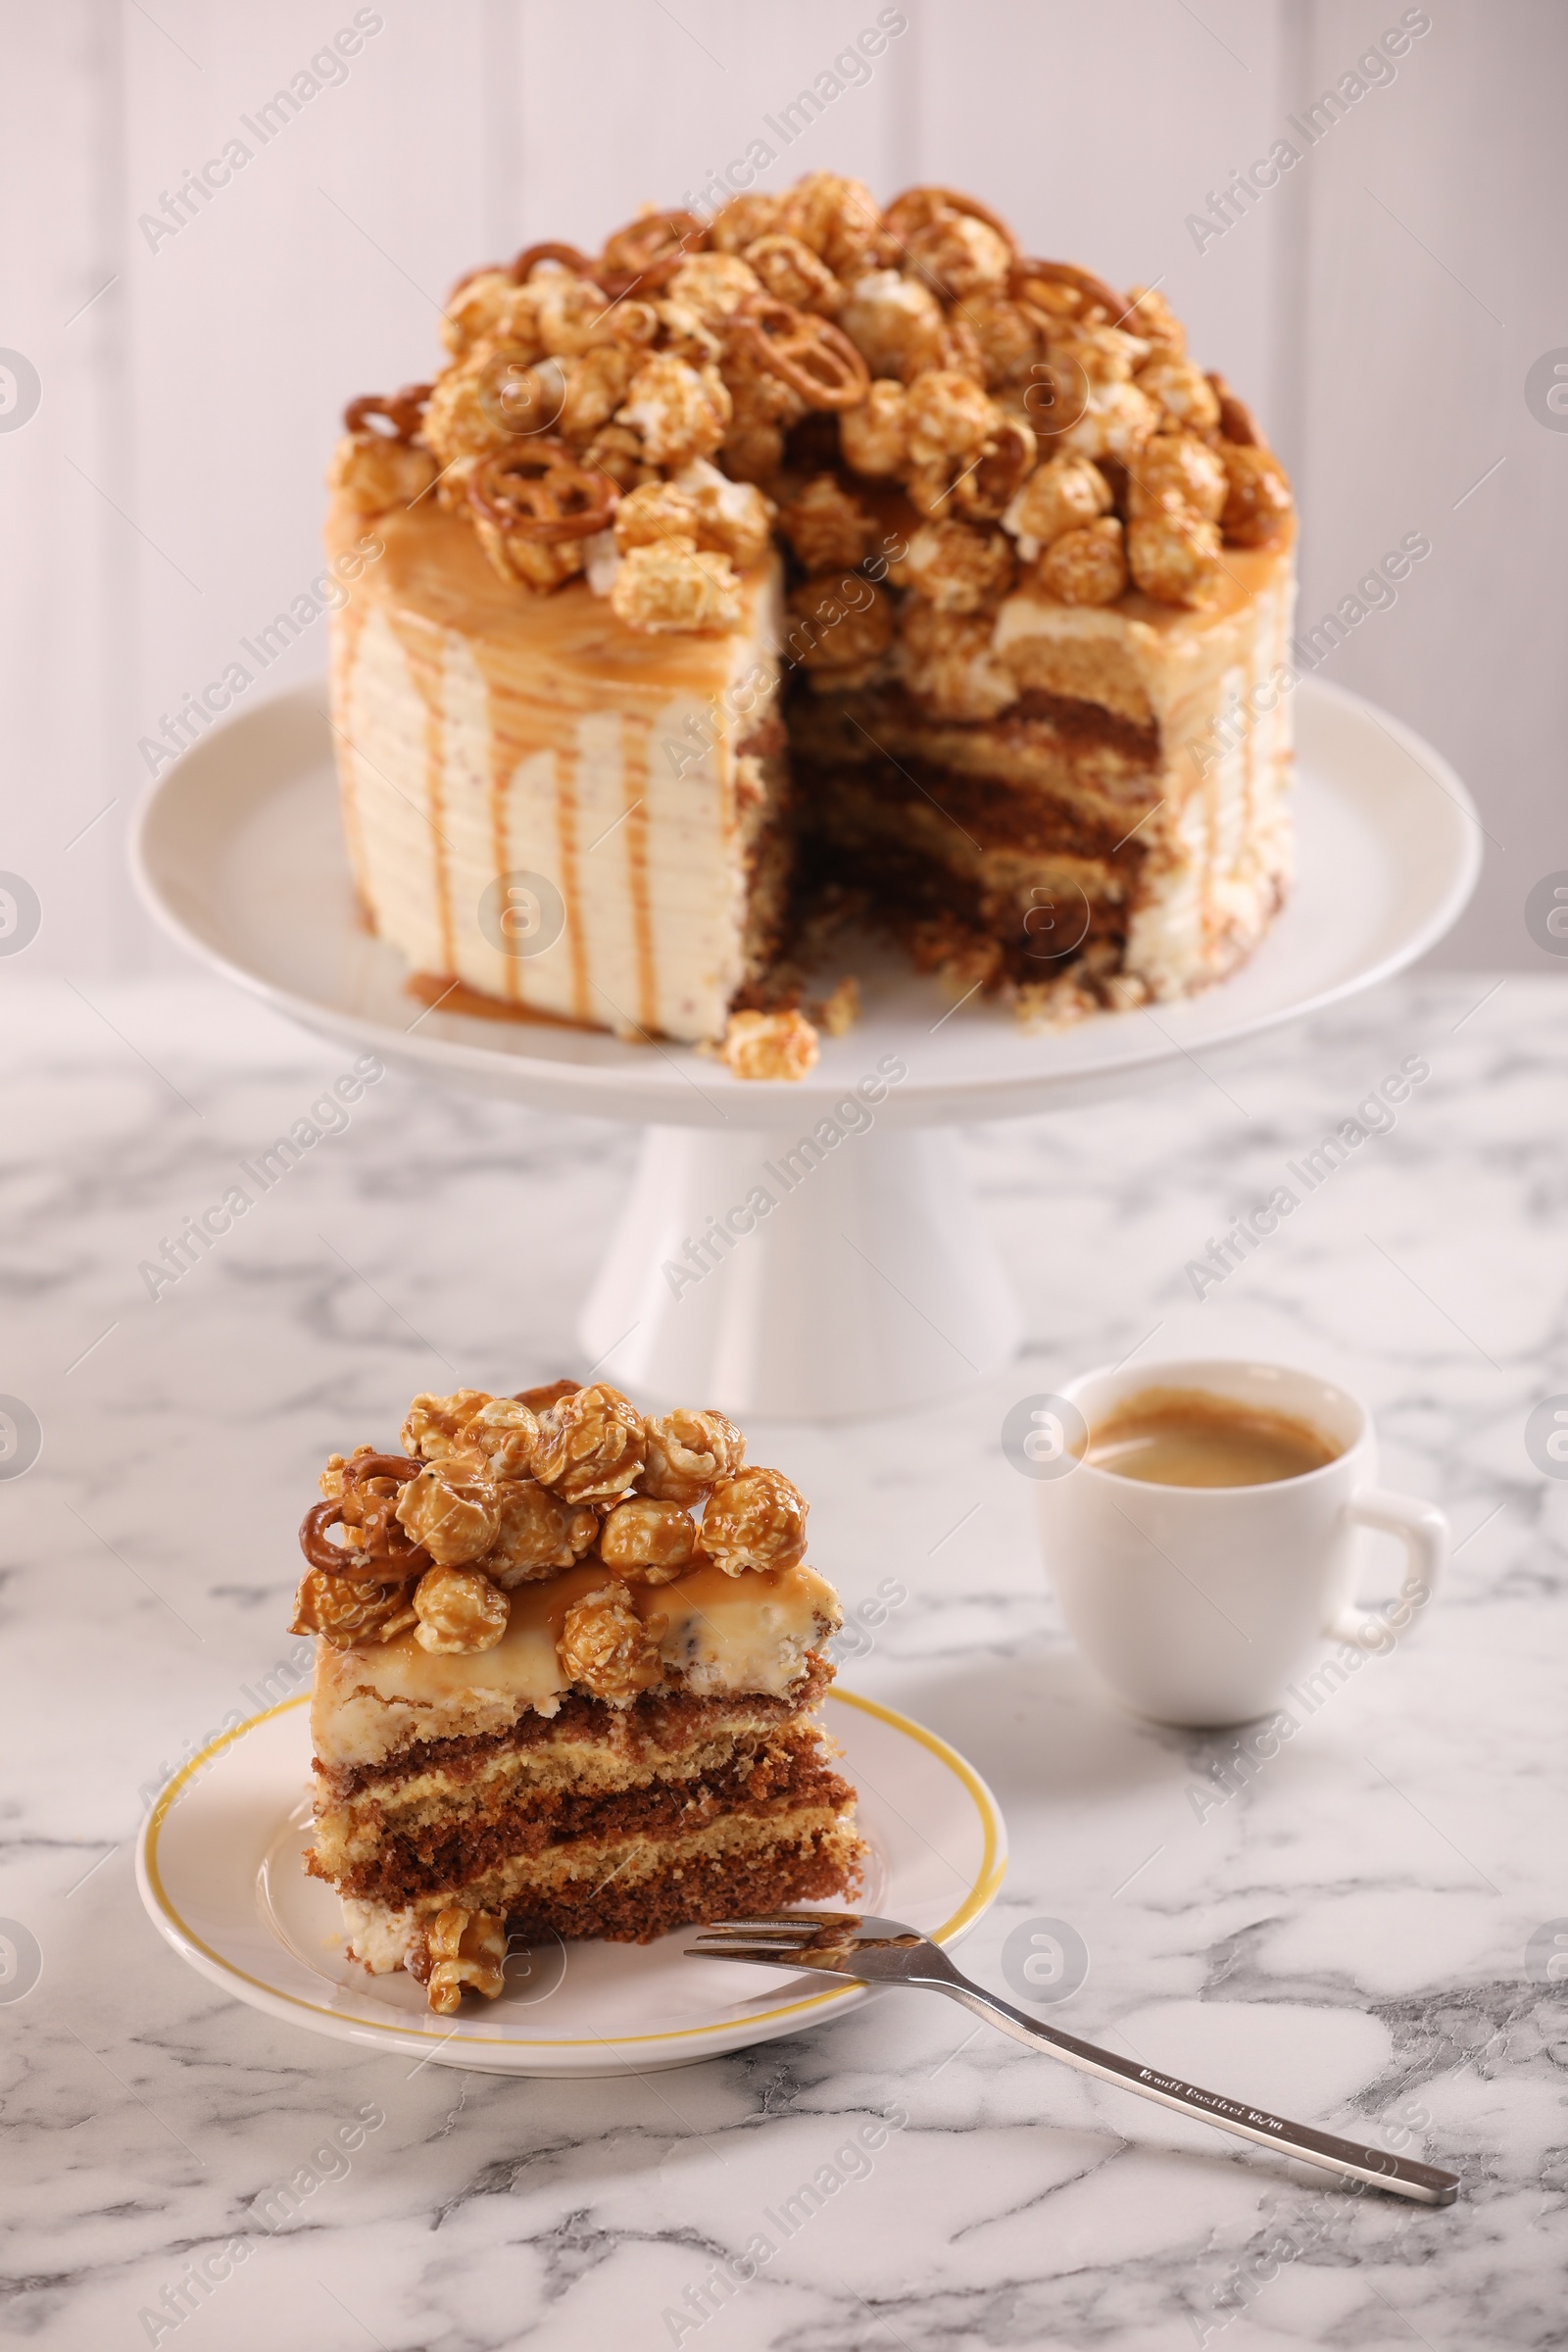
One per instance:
(1149,317)
(1174,556)
(946,662)
(373,472)
(647,1541)
(605,1648)
(894,322)
(769,1045)
(1257,501)
(687,1452)
(432,1425)
(1178,469)
(460,1612)
(1086,567)
(591,1446)
(453,1516)
(505,1432)
(960,256)
(714,284)
(753,1520)
(1182,391)
(838,1013)
(455,1948)
(792,272)
(956,567)
(672,587)
(839,219)
(536,1536)
(875,435)
(743,220)
(828,527)
(1061,495)
(681,411)
(348,1610)
(997,386)
(846,623)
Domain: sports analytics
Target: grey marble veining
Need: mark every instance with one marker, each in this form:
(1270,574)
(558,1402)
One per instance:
(1344,1936)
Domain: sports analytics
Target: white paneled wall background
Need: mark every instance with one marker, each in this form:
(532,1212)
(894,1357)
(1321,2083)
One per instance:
(1382,306)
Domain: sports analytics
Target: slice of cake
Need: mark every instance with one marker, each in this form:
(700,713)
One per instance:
(810,562)
(568,1664)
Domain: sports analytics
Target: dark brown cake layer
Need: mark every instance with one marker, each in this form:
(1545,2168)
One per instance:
(659,1723)
(413,1863)
(1042,739)
(992,813)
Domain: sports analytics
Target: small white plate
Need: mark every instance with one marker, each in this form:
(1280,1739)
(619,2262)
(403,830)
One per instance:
(219,1872)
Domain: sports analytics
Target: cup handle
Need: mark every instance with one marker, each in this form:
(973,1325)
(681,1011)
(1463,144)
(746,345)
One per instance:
(1425,1534)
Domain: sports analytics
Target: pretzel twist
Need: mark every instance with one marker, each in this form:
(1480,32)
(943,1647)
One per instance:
(646,254)
(543,491)
(403,410)
(1065,273)
(813,357)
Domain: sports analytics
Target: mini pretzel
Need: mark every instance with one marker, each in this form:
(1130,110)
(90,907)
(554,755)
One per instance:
(567,255)
(1065,273)
(403,410)
(812,356)
(1236,419)
(542,491)
(384,1561)
(918,207)
(647,253)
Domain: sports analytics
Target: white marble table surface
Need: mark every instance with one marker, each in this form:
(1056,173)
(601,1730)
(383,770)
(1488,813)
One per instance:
(1349,1938)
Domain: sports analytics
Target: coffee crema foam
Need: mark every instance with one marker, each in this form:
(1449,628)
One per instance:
(1194,1438)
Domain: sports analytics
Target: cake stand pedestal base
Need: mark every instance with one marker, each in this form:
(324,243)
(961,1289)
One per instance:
(749,1276)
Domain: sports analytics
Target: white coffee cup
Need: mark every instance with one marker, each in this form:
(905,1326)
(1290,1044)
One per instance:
(1195,1605)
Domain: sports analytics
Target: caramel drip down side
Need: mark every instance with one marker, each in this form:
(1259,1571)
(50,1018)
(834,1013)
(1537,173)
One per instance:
(571,882)
(502,763)
(424,668)
(636,735)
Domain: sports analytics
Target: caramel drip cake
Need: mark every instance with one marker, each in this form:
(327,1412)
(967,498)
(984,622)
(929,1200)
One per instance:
(808,563)
(567,1663)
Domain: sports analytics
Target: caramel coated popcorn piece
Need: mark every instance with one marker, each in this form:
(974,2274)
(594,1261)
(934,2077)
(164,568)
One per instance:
(838,1014)
(1061,495)
(591,1446)
(681,411)
(875,435)
(688,1452)
(1008,337)
(1117,419)
(1174,556)
(475,309)
(1149,317)
(1257,501)
(537,1535)
(455,1517)
(375,472)
(755,1520)
(455,1948)
(846,623)
(1086,567)
(792,272)
(946,661)
(743,220)
(1182,391)
(828,527)
(838,219)
(460,1612)
(948,416)
(647,1541)
(734,517)
(894,322)
(956,567)
(1178,469)
(672,587)
(350,1610)
(605,1648)
(769,1045)
(959,256)
(505,1432)
(714,284)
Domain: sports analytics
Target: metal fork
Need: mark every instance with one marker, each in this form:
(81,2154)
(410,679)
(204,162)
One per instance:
(883,1951)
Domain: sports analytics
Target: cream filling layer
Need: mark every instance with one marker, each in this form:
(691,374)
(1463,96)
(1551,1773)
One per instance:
(717,1635)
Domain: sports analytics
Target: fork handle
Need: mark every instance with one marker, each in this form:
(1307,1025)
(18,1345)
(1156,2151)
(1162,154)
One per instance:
(1423,2183)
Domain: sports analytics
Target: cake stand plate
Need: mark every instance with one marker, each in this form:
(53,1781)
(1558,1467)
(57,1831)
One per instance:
(867,1283)
(219,1868)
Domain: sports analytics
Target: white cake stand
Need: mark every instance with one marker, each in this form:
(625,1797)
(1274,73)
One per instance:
(871,1285)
